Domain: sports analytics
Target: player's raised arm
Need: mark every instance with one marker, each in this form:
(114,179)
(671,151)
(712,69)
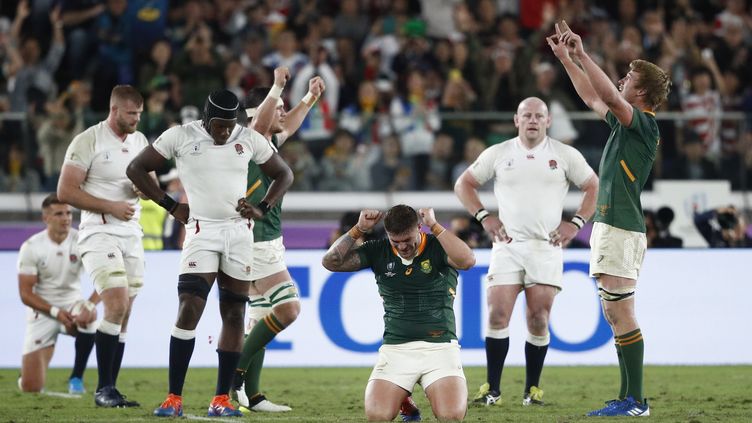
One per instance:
(294,118)
(578,77)
(459,254)
(342,255)
(263,116)
(600,82)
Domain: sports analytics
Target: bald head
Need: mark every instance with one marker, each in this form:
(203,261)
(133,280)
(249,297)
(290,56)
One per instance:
(532,120)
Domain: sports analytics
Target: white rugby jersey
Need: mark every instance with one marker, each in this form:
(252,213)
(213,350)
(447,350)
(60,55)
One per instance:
(530,185)
(214,176)
(105,157)
(58,267)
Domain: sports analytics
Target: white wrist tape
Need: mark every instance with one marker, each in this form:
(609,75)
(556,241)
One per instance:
(309,99)
(275,92)
(54,312)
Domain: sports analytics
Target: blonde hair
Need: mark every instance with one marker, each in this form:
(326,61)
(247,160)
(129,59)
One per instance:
(654,80)
(124,93)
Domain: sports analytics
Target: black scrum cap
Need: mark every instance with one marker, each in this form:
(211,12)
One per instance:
(221,104)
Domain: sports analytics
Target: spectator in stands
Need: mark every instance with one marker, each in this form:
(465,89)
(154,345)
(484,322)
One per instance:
(391,171)
(114,33)
(159,65)
(473,147)
(199,67)
(466,228)
(343,167)
(702,103)
(78,20)
(286,54)
(33,77)
(304,167)
(16,175)
(723,227)
(440,164)
(664,239)
(559,102)
(692,162)
(55,133)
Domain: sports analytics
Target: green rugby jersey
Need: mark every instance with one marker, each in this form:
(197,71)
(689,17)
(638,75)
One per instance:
(624,169)
(268,227)
(418,297)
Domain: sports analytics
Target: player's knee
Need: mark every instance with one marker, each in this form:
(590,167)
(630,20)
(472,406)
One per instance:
(537,321)
(193,285)
(287,312)
(109,277)
(498,319)
(451,412)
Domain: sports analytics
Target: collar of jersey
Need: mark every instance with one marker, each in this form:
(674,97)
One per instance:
(421,247)
(650,112)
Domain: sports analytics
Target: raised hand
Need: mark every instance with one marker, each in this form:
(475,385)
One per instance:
(316,86)
(427,216)
(368,219)
(570,39)
(281,76)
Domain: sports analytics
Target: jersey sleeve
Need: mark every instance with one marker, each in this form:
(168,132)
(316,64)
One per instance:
(368,251)
(578,170)
(482,168)
(27,263)
(80,152)
(167,143)
(262,150)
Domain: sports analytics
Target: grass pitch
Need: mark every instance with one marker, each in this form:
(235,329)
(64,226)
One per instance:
(676,394)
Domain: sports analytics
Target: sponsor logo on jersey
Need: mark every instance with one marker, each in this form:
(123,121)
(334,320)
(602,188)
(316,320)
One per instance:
(73,258)
(110,255)
(196,149)
(531,156)
(435,333)
(248,270)
(191,264)
(124,149)
(425,266)
(553,165)
(508,164)
(390,266)
(239,149)
(408,271)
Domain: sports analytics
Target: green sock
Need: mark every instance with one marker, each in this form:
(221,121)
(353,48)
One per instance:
(633,350)
(622,371)
(253,374)
(262,333)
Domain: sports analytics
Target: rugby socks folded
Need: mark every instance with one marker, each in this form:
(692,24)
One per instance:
(261,334)
(84,344)
(536,348)
(633,350)
(181,349)
(497,347)
(228,362)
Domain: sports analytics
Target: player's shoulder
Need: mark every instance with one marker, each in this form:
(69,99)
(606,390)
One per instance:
(89,135)
(35,242)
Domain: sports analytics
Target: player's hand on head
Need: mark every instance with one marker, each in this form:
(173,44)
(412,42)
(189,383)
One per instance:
(181,213)
(281,76)
(122,210)
(427,216)
(368,219)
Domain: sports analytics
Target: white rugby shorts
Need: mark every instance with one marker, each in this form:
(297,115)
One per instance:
(225,246)
(418,362)
(616,252)
(268,258)
(103,252)
(526,263)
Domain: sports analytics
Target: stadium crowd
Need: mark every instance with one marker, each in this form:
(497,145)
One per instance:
(406,78)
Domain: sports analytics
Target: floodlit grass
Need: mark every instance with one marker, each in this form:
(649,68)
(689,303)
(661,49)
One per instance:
(676,394)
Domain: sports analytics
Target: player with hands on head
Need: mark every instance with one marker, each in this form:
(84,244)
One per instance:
(618,241)
(274,302)
(416,274)
(532,174)
(49,273)
(212,158)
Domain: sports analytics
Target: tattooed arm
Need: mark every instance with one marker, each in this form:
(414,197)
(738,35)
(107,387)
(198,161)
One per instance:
(342,255)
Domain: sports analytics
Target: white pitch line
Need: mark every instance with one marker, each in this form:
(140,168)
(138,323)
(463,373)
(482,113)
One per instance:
(61,394)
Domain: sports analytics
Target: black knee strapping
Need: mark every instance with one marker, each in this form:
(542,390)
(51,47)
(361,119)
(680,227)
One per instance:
(226,295)
(194,285)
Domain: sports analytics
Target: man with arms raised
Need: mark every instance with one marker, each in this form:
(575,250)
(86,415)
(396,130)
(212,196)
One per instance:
(273,300)
(531,174)
(93,179)
(417,279)
(212,158)
(618,240)
(49,271)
